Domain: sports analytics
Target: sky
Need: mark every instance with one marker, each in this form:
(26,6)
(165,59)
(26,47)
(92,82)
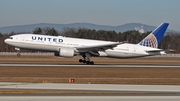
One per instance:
(102,12)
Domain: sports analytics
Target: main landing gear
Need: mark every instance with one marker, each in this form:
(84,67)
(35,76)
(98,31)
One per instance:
(86,59)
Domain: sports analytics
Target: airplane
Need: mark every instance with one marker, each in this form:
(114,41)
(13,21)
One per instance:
(70,47)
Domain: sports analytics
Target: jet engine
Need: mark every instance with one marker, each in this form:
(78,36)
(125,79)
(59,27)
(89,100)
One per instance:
(65,52)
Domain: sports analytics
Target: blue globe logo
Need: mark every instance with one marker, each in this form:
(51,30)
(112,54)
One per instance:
(150,41)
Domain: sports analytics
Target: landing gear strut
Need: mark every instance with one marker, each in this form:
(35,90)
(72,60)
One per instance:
(86,59)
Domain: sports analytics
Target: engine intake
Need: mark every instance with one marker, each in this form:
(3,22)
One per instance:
(65,52)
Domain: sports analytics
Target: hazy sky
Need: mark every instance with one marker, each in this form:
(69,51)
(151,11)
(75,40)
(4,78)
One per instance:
(104,12)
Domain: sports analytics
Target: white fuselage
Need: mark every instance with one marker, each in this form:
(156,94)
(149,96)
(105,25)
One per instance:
(53,43)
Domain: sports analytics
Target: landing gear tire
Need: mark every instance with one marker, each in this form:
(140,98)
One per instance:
(86,62)
(80,60)
(90,63)
(18,54)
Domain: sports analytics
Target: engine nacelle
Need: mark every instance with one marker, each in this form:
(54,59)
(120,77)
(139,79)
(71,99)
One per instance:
(65,52)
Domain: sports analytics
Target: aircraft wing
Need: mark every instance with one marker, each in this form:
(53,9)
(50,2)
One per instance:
(96,48)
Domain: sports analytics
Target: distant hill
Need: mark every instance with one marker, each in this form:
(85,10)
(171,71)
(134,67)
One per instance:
(59,27)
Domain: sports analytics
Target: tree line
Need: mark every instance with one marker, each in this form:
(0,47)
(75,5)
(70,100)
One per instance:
(169,41)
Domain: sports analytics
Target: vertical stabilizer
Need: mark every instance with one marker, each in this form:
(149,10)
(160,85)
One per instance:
(154,38)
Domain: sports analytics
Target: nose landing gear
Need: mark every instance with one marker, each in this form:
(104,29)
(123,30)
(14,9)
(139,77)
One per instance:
(18,51)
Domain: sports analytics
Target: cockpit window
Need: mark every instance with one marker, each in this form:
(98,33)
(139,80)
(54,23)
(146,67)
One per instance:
(10,37)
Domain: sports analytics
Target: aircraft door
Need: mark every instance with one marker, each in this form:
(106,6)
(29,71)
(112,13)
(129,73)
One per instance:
(134,50)
(22,39)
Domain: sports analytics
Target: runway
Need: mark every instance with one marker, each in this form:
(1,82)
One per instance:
(173,89)
(91,87)
(170,92)
(100,65)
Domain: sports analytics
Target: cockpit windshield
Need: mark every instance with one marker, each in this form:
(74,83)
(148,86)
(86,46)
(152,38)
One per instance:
(10,37)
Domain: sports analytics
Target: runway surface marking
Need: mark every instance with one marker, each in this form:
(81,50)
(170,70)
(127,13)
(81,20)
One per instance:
(92,87)
(89,98)
(103,65)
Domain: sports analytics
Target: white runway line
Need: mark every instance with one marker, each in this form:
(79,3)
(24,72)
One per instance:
(93,87)
(104,65)
(89,98)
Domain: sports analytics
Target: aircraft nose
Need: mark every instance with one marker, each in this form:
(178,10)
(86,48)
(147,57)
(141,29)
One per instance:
(6,41)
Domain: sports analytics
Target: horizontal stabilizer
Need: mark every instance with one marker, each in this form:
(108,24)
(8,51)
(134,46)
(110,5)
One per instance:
(159,50)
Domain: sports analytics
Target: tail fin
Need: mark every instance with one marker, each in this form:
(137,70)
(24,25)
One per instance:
(154,38)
